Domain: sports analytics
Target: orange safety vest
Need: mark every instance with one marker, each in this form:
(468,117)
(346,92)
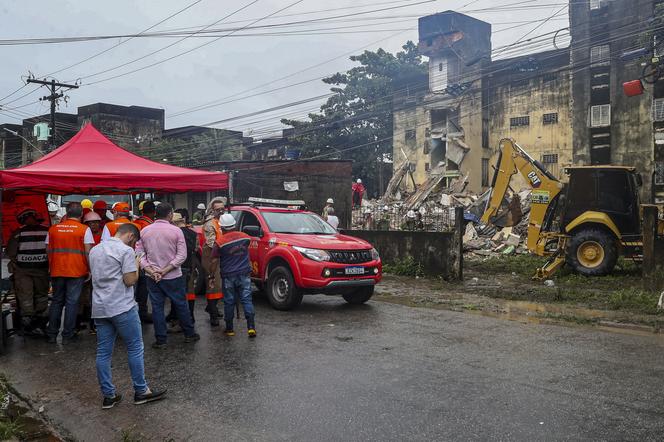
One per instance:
(217,230)
(67,257)
(112,226)
(143,221)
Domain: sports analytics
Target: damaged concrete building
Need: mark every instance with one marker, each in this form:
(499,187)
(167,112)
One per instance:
(451,127)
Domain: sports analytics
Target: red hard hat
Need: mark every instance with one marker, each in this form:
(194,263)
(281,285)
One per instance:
(99,205)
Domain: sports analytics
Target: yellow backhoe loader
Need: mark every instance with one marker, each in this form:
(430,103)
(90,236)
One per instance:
(586,223)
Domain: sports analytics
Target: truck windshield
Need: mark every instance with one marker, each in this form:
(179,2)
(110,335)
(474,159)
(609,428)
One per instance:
(297,222)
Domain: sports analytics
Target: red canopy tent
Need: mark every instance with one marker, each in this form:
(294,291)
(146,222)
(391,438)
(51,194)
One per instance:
(90,164)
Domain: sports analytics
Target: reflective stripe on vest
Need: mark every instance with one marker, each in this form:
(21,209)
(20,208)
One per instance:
(32,247)
(67,251)
(143,221)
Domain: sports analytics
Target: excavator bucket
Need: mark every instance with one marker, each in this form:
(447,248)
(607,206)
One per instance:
(510,213)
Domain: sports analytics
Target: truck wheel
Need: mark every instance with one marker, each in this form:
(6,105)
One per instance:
(592,252)
(359,296)
(282,293)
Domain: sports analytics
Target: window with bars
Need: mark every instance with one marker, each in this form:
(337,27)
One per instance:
(520,121)
(485,172)
(600,55)
(600,115)
(550,162)
(658,109)
(551,118)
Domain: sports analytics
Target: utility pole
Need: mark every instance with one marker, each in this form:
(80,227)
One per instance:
(53,98)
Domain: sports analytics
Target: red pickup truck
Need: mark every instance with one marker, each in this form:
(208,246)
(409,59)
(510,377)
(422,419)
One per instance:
(295,252)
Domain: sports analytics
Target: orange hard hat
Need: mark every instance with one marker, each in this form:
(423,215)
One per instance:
(100,205)
(122,208)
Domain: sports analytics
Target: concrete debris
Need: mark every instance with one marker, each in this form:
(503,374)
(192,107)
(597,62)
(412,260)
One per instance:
(470,234)
(513,240)
(549,283)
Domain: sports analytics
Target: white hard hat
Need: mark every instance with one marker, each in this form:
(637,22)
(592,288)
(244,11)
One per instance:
(156,203)
(227,221)
(330,201)
(201,206)
(91,216)
(359,181)
(52,207)
(411,214)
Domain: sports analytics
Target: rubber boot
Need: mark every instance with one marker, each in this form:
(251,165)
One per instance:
(212,311)
(192,305)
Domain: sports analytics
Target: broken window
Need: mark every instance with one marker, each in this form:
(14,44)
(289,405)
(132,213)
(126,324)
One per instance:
(658,109)
(427,167)
(485,172)
(551,118)
(600,55)
(600,115)
(520,121)
(411,137)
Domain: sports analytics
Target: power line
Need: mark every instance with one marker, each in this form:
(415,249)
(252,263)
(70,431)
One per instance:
(93,56)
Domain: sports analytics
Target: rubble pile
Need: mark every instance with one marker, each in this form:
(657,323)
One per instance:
(431,208)
(494,241)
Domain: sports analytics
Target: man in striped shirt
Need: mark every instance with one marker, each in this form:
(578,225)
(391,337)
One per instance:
(26,250)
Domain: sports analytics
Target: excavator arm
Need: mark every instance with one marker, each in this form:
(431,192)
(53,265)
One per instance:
(513,159)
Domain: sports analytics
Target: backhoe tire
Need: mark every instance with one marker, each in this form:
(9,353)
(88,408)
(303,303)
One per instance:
(282,293)
(592,252)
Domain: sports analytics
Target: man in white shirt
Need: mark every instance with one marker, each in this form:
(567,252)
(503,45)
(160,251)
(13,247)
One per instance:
(332,218)
(114,270)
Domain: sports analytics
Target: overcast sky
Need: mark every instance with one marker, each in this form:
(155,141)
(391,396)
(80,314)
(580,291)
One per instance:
(227,69)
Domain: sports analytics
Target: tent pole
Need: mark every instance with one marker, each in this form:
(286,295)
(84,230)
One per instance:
(2,242)
(230,187)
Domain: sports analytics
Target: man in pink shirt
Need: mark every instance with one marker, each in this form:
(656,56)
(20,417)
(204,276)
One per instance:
(163,250)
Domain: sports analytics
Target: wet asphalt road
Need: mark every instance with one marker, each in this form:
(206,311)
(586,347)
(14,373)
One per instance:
(329,371)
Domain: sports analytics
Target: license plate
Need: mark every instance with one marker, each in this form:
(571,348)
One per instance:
(354,270)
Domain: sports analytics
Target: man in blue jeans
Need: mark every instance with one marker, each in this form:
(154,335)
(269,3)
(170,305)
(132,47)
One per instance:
(67,244)
(233,251)
(114,270)
(165,251)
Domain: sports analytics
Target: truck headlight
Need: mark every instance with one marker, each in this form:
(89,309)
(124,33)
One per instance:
(374,254)
(315,254)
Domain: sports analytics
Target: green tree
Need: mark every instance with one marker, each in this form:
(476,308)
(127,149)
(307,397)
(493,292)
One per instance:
(356,123)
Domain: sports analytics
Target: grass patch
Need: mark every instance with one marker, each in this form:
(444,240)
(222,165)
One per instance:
(9,428)
(522,265)
(621,290)
(405,267)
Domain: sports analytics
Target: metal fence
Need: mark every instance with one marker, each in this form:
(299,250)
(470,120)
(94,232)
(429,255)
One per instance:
(390,217)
